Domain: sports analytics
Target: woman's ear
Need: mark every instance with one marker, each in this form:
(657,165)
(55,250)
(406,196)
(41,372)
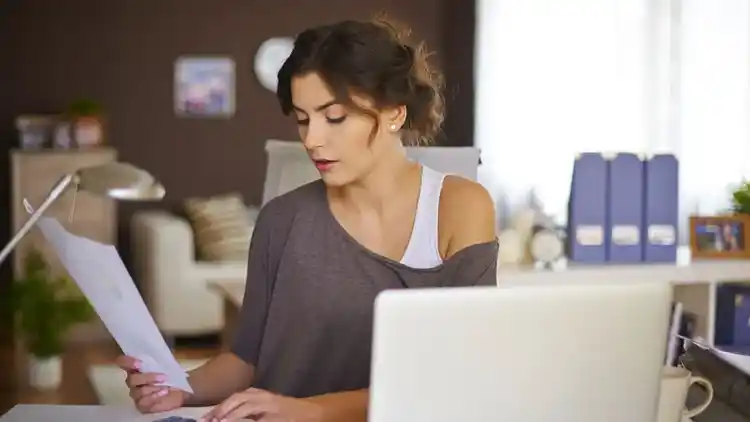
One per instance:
(394,118)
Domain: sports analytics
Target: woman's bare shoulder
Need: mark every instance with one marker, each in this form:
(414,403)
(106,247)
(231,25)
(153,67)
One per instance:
(467,214)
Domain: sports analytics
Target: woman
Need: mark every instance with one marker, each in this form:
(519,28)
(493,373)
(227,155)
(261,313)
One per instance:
(321,253)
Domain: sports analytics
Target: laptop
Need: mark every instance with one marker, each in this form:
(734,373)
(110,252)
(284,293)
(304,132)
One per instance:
(575,353)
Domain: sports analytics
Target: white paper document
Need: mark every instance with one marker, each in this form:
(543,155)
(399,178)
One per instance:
(738,360)
(741,362)
(102,277)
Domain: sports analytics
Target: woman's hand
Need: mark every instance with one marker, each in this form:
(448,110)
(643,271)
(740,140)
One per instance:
(146,394)
(260,405)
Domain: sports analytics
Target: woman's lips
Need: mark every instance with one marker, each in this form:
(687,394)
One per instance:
(324,165)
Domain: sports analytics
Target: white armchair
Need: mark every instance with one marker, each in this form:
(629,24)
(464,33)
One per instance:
(173,282)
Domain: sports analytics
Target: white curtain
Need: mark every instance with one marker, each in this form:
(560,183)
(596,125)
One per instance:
(555,78)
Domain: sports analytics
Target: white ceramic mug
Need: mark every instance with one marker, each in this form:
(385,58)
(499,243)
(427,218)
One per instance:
(675,383)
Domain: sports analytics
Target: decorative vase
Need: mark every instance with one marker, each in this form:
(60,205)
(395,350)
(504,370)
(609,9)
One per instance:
(88,131)
(45,373)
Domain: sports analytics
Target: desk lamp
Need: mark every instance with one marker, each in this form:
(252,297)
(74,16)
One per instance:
(116,180)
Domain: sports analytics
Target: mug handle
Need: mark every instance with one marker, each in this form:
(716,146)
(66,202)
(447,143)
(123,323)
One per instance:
(709,396)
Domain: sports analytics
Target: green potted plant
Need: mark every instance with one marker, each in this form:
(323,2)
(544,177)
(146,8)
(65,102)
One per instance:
(86,123)
(45,309)
(741,199)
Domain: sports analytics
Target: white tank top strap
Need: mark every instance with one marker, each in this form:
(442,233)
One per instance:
(423,249)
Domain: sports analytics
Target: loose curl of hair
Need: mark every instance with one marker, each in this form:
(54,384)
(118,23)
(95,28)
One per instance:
(372,59)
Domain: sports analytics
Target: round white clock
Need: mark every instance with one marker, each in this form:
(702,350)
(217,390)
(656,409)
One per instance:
(269,59)
(546,246)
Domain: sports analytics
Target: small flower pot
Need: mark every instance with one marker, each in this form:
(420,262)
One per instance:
(88,131)
(45,373)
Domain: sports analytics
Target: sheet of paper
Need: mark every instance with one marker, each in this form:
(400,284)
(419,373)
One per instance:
(101,275)
(738,360)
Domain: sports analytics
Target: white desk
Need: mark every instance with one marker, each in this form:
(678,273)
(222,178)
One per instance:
(58,413)
(69,413)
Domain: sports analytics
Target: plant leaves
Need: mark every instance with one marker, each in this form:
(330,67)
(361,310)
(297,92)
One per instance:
(45,308)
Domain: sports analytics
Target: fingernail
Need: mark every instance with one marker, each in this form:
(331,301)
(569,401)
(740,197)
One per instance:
(161,378)
(137,365)
(161,393)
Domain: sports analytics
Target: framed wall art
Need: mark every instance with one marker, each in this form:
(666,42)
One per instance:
(720,237)
(204,87)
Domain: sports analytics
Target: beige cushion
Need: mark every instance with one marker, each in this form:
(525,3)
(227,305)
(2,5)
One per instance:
(222,227)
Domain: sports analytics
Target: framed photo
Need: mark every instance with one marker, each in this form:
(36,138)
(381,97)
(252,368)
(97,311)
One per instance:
(204,87)
(720,237)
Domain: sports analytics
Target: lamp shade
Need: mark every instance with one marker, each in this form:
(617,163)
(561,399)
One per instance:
(120,181)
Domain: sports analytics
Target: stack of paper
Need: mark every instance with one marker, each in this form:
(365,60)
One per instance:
(102,277)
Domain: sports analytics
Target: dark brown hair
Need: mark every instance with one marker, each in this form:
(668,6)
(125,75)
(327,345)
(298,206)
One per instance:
(375,60)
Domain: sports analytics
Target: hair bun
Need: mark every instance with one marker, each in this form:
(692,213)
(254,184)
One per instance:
(374,58)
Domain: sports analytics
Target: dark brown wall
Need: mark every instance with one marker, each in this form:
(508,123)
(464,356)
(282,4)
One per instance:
(121,53)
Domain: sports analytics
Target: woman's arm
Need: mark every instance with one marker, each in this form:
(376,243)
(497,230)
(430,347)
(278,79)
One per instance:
(348,406)
(218,379)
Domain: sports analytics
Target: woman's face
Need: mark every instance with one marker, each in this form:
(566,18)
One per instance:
(336,138)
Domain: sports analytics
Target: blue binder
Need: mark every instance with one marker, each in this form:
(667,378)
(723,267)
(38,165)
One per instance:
(732,321)
(587,209)
(661,208)
(625,196)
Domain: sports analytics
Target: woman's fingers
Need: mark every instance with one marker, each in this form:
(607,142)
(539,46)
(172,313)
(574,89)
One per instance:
(146,390)
(244,412)
(128,364)
(249,401)
(149,400)
(137,379)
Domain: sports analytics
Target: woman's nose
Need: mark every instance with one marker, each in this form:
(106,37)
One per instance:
(314,137)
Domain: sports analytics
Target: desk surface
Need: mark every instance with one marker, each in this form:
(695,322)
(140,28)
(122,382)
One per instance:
(230,290)
(70,413)
(61,413)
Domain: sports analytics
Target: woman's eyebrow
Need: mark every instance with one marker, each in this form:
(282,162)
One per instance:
(318,108)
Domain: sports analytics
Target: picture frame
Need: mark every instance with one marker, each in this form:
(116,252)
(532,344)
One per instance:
(720,237)
(204,87)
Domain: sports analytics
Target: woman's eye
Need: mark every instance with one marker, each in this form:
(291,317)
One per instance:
(336,120)
(303,122)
